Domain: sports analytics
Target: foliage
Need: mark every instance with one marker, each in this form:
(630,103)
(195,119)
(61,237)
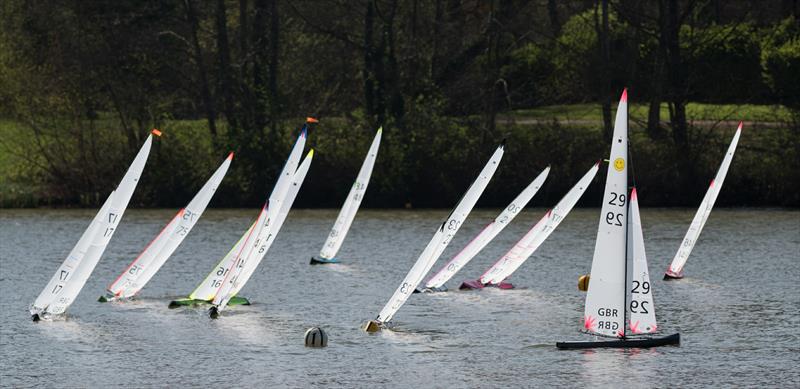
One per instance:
(82,83)
(725,63)
(780,60)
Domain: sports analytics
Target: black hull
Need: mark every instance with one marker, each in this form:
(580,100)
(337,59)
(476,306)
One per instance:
(322,261)
(674,339)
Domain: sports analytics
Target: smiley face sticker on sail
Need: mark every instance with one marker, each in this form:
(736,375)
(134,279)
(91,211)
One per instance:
(619,164)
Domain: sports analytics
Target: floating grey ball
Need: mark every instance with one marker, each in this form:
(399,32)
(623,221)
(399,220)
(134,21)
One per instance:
(316,337)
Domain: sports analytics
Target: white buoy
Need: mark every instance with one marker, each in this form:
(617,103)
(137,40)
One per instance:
(316,337)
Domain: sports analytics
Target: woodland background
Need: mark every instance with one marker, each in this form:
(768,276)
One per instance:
(83,82)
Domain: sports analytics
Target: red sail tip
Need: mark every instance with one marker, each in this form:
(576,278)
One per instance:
(624,98)
(230,156)
(309,119)
(633,194)
(740,125)
(155,132)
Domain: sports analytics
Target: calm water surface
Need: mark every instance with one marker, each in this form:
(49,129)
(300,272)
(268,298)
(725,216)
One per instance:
(738,309)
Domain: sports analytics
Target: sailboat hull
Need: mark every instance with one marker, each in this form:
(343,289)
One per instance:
(322,261)
(431,290)
(503,285)
(471,284)
(670,340)
(193,303)
(476,284)
(670,275)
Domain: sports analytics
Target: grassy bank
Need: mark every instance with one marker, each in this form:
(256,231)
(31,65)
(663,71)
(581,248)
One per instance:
(427,167)
(696,112)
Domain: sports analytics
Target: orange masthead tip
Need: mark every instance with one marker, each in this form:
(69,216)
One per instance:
(155,132)
(624,97)
(309,119)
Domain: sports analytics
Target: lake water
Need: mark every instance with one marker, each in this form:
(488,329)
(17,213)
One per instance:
(738,309)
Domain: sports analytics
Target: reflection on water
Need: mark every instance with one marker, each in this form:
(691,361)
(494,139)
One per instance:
(738,309)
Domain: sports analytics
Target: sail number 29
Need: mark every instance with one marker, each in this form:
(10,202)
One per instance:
(615,218)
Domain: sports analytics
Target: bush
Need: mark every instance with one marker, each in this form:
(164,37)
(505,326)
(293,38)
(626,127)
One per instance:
(780,62)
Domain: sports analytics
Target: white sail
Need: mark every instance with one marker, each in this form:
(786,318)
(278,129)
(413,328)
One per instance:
(525,247)
(605,300)
(676,267)
(444,234)
(207,289)
(488,233)
(350,207)
(138,273)
(70,277)
(641,308)
(247,265)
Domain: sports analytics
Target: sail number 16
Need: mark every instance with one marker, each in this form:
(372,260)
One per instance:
(615,218)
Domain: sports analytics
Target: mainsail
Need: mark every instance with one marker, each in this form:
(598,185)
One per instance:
(642,310)
(207,289)
(70,277)
(444,234)
(675,269)
(525,247)
(488,233)
(605,300)
(145,266)
(350,207)
(241,272)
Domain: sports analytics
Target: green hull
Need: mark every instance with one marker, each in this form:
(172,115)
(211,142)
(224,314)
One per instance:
(193,303)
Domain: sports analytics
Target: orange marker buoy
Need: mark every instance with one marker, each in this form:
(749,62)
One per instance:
(583,283)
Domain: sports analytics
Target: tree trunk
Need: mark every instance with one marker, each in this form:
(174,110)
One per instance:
(205,91)
(552,13)
(274,51)
(224,54)
(260,58)
(677,77)
(397,103)
(491,73)
(243,24)
(438,19)
(369,61)
(605,49)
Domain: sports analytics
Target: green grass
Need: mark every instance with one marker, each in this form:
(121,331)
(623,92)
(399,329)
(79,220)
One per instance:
(638,112)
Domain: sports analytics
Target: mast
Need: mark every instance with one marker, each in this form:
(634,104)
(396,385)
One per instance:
(627,231)
(627,281)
